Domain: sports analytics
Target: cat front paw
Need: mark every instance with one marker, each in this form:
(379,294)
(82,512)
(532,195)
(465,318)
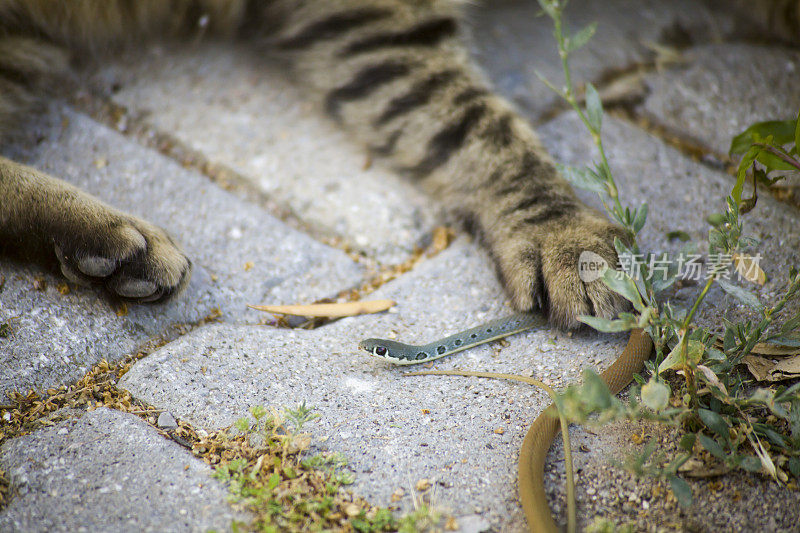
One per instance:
(539,266)
(131,258)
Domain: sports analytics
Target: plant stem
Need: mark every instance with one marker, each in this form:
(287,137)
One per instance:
(688,369)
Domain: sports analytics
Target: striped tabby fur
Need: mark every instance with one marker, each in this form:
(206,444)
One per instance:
(392,72)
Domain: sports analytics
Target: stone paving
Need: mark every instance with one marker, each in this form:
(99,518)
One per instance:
(107,470)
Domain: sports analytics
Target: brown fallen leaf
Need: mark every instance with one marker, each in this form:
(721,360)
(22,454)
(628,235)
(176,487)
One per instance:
(747,267)
(769,348)
(764,369)
(329,310)
(696,468)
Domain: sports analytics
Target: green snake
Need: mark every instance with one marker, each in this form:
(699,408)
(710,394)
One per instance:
(545,428)
(399,353)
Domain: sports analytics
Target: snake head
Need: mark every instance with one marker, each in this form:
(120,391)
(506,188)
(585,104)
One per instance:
(376,347)
(393,351)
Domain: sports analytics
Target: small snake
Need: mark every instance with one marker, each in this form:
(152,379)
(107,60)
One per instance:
(544,429)
(399,353)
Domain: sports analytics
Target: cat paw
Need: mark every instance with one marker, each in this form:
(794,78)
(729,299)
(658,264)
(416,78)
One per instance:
(132,259)
(539,267)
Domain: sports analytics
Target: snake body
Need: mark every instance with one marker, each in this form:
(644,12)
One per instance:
(532,454)
(400,353)
(546,426)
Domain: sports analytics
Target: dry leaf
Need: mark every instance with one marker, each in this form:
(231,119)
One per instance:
(768,348)
(747,267)
(329,310)
(766,370)
(697,468)
(442,237)
(712,378)
(423,484)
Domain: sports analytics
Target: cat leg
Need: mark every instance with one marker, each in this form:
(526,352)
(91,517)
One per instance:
(398,77)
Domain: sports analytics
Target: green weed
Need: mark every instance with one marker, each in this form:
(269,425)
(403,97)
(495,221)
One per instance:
(696,381)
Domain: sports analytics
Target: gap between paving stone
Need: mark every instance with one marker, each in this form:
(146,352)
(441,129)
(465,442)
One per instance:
(57,338)
(512,41)
(724,88)
(370,412)
(109,471)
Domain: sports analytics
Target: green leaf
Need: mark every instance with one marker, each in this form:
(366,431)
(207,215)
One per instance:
(741,172)
(773,162)
(712,446)
(794,466)
(715,355)
(750,463)
(622,284)
(743,295)
(641,217)
(782,131)
(714,422)
(549,8)
(687,441)
(581,38)
(655,395)
(790,341)
(594,108)
(729,340)
(258,411)
(273,481)
(797,133)
(791,324)
(762,178)
(681,490)
(605,325)
(242,424)
(694,351)
(788,394)
(583,178)
(679,235)
(596,390)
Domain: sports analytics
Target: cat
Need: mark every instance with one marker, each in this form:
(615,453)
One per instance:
(394,73)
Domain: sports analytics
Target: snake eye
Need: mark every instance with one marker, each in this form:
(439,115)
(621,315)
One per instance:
(380,350)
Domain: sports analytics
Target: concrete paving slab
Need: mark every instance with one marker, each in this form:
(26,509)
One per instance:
(513,40)
(109,471)
(242,255)
(724,88)
(395,430)
(259,124)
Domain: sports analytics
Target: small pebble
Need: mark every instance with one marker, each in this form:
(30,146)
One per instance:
(167,421)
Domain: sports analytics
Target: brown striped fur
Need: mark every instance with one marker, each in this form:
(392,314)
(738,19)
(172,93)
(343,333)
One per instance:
(392,72)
